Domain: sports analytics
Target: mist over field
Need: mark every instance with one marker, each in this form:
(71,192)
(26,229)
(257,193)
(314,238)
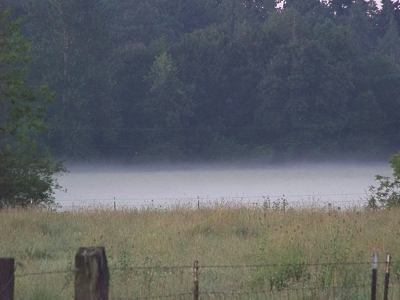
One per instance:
(166,185)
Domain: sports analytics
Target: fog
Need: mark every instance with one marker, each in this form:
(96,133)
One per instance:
(96,185)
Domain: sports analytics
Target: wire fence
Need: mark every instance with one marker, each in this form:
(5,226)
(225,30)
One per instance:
(356,200)
(350,280)
(337,280)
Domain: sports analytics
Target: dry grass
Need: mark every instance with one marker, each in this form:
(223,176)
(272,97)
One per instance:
(43,241)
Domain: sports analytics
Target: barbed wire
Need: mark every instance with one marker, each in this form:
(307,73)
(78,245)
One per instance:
(45,273)
(115,268)
(175,296)
(252,266)
(233,294)
(229,294)
(265,197)
(270,202)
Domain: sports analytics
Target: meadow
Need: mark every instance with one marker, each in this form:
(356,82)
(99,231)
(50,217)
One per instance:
(262,252)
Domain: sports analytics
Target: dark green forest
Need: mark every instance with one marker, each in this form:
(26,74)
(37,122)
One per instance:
(179,80)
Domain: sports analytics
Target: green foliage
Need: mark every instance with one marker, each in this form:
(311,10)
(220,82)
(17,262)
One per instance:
(216,79)
(278,277)
(395,163)
(168,107)
(26,169)
(73,56)
(387,194)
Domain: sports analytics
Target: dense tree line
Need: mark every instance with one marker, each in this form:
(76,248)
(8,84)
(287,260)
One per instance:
(212,79)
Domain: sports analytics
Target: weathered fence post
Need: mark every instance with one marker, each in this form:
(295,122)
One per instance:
(387,275)
(91,274)
(6,278)
(196,280)
(374,276)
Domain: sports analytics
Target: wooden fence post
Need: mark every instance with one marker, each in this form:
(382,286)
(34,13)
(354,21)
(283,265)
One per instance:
(6,278)
(387,275)
(374,276)
(91,274)
(196,280)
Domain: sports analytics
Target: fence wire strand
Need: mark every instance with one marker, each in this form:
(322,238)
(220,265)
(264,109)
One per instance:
(258,281)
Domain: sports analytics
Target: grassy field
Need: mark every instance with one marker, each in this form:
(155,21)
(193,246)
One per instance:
(239,249)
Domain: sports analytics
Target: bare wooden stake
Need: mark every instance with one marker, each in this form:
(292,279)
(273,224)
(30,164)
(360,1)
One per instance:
(91,274)
(6,278)
(374,276)
(387,275)
(196,280)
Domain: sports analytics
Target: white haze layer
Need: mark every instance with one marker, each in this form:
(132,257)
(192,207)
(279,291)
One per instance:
(193,184)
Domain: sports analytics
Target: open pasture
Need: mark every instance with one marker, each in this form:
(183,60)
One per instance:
(240,250)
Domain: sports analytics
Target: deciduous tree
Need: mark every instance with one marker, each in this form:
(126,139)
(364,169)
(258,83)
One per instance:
(26,168)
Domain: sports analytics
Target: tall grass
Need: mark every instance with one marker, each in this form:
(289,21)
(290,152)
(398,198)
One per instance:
(304,247)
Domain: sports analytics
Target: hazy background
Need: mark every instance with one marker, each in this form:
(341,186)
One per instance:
(342,183)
